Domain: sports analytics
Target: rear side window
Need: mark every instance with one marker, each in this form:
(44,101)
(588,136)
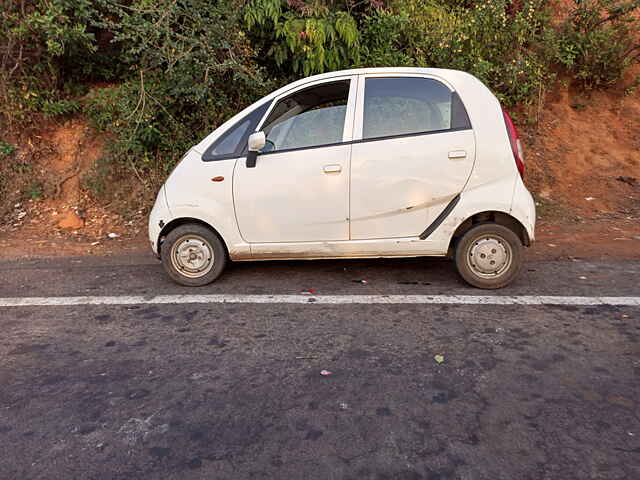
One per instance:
(409,106)
(233,142)
(459,116)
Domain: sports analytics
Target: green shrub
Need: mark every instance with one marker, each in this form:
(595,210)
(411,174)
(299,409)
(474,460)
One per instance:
(190,68)
(6,149)
(61,107)
(36,38)
(159,76)
(491,39)
(595,44)
(383,39)
(35,190)
(304,37)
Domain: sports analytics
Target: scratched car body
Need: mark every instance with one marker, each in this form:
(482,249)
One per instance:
(383,162)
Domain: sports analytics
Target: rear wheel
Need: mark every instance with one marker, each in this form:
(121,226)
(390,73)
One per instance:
(489,256)
(193,255)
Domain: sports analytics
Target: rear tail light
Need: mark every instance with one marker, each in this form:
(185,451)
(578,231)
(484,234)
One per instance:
(516,144)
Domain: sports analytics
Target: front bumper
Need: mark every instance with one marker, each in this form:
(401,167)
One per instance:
(159,216)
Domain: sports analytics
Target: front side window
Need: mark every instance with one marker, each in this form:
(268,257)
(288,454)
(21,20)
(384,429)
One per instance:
(308,118)
(406,106)
(230,142)
(233,142)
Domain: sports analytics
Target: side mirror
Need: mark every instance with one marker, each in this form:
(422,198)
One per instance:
(255,143)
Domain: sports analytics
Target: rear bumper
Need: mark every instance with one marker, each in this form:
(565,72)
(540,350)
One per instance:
(523,208)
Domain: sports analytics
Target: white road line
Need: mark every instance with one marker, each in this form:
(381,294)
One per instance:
(319,299)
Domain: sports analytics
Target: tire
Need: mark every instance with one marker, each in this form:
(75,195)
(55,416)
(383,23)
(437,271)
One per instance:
(193,255)
(486,243)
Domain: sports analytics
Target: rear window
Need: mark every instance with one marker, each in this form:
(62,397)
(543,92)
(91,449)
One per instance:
(410,105)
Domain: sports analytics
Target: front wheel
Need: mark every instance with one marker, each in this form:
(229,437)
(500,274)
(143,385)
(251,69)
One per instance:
(193,255)
(489,256)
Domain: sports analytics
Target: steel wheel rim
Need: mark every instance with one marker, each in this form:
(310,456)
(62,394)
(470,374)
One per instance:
(192,256)
(489,256)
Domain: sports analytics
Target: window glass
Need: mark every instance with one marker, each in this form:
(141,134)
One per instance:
(405,105)
(311,117)
(459,117)
(231,140)
(234,141)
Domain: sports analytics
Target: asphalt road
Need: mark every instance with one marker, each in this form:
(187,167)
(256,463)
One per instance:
(235,391)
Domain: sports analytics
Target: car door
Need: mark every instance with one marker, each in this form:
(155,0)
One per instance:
(299,189)
(413,152)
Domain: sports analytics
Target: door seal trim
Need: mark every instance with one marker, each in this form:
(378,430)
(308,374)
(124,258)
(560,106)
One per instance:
(441,218)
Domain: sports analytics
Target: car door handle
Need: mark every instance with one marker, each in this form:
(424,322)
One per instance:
(332,168)
(457,154)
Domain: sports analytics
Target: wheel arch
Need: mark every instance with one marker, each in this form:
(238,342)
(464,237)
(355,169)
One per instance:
(176,222)
(500,218)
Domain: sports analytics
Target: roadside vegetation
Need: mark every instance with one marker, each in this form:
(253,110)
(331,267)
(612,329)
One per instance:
(157,76)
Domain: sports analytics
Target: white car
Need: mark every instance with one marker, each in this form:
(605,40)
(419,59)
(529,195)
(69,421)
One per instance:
(375,162)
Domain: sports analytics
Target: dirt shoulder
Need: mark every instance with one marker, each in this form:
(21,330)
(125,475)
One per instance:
(617,239)
(594,240)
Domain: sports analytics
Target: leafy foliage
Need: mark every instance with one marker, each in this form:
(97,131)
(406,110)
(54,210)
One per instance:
(310,38)
(159,75)
(36,37)
(6,149)
(491,39)
(596,42)
(383,39)
(190,67)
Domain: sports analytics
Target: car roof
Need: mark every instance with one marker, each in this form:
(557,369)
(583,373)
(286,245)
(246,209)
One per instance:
(437,72)
(361,71)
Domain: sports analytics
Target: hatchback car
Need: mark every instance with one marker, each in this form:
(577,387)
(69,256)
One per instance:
(377,162)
